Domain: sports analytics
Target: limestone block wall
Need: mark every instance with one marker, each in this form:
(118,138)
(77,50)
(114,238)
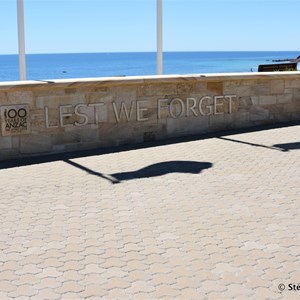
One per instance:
(43,117)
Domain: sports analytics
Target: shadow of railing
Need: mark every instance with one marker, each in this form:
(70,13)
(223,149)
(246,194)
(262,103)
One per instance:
(159,169)
(289,146)
(250,144)
(277,147)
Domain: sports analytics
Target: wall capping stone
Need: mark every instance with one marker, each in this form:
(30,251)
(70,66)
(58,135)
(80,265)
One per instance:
(155,79)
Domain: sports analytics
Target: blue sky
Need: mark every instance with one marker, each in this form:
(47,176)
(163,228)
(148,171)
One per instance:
(73,26)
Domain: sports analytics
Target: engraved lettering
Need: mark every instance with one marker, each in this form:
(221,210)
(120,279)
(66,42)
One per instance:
(63,115)
(191,107)
(216,104)
(159,107)
(230,102)
(172,108)
(96,110)
(140,110)
(123,112)
(47,119)
(205,98)
(81,115)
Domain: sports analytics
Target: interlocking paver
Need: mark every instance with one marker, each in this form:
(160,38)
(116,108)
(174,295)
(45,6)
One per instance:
(265,293)
(7,274)
(48,282)
(27,279)
(138,275)
(24,290)
(46,293)
(7,286)
(70,287)
(93,279)
(228,231)
(49,272)
(140,287)
(93,290)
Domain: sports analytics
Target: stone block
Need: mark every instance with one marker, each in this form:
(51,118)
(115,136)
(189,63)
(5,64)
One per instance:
(81,147)
(282,117)
(258,113)
(23,97)
(260,89)
(267,100)
(295,116)
(199,87)
(66,138)
(292,83)
(56,101)
(58,148)
(235,105)
(296,94)
(184,88)
(292,107)
(232,83)
(215,87)
(191,125)
(7,154)
(88,135)
(69,91)
(245,103)
(3,98)
(217,123)
(285,98)
(15,142)
(34,144)
(125,94)
(238,120)
(5,142)
(241,91)
(248,82)
(255,100)
(277,86)
(157,89)
(151,132)
(274,109)
(96,97)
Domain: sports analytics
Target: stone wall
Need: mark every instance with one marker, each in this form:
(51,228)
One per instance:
(43,117)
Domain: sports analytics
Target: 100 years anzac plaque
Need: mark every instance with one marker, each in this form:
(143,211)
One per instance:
(14,119)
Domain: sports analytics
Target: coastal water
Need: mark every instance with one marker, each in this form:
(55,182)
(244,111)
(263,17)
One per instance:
(83,65)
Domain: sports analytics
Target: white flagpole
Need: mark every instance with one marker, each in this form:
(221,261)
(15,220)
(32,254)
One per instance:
(21,38)
(159,52)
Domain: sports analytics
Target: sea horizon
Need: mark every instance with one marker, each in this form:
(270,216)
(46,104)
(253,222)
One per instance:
(43,66)
(173,51)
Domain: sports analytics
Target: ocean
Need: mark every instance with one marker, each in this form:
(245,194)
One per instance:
(84,65)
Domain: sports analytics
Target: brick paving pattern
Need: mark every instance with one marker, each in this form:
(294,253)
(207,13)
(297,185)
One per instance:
(216,218)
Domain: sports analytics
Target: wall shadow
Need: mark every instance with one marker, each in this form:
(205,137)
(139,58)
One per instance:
(159,169)
(289,146)
(37,159)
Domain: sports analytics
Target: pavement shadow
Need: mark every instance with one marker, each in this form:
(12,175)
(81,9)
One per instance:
(289,146)
(163,168)
(159,169)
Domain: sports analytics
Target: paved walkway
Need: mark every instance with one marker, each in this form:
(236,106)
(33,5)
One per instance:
(207,219)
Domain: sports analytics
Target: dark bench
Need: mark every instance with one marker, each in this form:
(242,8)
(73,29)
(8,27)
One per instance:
(278,67)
